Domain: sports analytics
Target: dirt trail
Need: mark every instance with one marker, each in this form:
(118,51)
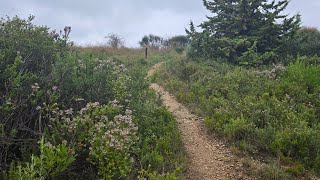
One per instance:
(209,158)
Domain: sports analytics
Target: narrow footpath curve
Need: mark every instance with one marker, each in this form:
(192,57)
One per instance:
(208,158)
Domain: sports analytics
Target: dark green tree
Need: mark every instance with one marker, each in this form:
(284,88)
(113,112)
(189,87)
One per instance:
(305,43)
(242,30)
(179,41)
(152,41)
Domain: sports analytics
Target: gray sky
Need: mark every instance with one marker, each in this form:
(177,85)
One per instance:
(92,20)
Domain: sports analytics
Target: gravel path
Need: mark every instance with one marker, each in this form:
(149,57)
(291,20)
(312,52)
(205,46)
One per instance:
(208,157)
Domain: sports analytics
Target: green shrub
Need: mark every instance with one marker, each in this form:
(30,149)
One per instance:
(239,129)
(49,164)
(179,50)
(273,172)
(27,54)
(303,75)
(146,174)
(317,164)
(295,142)
(160,141)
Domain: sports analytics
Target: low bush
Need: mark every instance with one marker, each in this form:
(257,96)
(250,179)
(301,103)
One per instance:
(52,161)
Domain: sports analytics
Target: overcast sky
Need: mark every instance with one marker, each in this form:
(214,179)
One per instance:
(92,20)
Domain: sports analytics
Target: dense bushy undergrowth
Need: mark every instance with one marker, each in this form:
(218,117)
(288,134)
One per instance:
(70,113)
(261,110)
(25,65)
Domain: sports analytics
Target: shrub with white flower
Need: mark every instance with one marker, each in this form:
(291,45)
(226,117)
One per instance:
(111,143)
(106,133)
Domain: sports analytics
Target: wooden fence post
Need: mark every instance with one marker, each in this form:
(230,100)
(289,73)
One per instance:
(146,53)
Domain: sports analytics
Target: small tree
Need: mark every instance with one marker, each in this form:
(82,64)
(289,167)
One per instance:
(305,43)
(144,42)
(179,41)
(115,40)
(152,41)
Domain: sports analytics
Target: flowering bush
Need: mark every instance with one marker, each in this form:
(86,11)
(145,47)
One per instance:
(106,136)
(112,143)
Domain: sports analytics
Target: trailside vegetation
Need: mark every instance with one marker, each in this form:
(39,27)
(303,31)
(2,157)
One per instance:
(71,113)
(272,112)
(253,73)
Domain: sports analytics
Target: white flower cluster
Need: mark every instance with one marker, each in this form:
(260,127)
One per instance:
(110,138)
(108,64)
(119,133)
(35,87)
